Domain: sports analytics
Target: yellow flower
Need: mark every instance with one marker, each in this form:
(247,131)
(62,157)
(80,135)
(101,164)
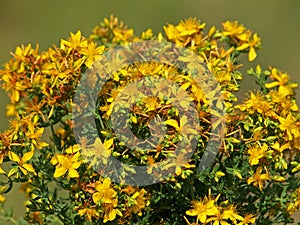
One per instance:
(202,209)
(110,212)
(286,103)
(248,219)
(139,201)
(181,97)
(258,179)
(22,165)
(22,53)
(104,193)
(181,164)
(189,26)
(13,86)
(231,213)
(199,94)
(187,31)
(92,52)
(66,163)
(172,33)
(33,131)
(252,44)
(73,149)
(289,125)
(122,35)
(257,152)
(281,80)
(280,148)
(148,34)
(99,151)
(88,212)
(218,219)
(151,103)
(242,37)
(236,30)
(76,41)
(256,103)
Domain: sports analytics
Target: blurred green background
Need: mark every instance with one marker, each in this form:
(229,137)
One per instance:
(46,22)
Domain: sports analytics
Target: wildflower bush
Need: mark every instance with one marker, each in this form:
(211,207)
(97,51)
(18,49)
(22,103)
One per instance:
(252,176)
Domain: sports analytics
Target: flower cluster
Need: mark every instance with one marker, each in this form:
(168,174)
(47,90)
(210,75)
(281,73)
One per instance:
(207,211)
(253,179)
